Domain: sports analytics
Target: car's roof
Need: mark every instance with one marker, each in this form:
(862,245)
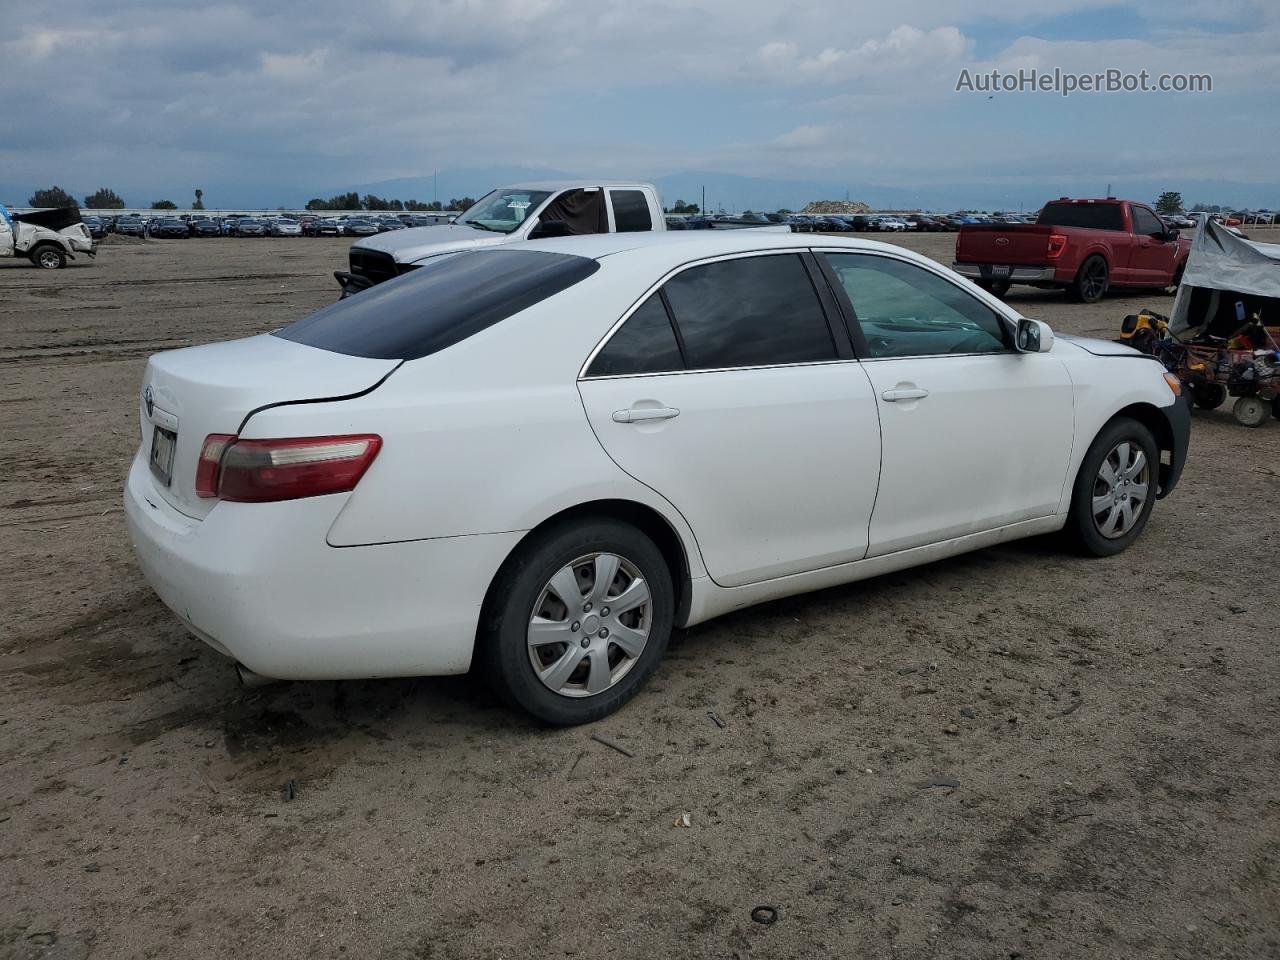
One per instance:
(554,185)
(696,244)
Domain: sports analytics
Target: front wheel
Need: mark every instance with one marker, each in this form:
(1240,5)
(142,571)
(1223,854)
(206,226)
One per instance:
(1115,489)
(577,621)
(49,258)
(1210,396)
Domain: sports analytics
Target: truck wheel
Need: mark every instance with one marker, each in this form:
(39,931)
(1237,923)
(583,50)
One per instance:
(1090,282)
(48,257)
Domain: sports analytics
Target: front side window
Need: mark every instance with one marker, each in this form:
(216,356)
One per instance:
(503,210)
(1145,223)
(630,211)
(752,311)
(907,311)
(645,343)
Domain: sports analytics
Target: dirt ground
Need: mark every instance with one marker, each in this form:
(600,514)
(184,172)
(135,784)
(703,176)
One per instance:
(1016,753)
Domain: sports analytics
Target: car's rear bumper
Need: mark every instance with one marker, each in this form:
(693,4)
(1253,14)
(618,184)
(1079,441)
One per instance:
(986,271)
(258,583)
(1178,416)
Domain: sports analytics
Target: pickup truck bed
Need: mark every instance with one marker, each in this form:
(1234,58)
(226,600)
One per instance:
(1083,246)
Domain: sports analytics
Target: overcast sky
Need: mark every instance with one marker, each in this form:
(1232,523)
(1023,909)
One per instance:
(144,95)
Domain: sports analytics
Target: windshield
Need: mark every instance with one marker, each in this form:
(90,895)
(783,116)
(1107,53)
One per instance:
(504,210)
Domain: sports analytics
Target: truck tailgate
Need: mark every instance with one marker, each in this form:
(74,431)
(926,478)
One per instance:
(1015,244)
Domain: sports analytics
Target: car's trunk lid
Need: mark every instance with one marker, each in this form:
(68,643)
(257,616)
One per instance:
(188,394)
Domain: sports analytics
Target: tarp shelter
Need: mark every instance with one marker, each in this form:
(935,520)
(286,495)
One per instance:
(57,218)
(1227,281)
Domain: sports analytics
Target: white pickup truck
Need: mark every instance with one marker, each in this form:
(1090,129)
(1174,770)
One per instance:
(45,237)
(523,211)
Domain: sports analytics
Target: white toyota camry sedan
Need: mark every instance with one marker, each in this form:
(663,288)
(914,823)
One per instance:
(542,458)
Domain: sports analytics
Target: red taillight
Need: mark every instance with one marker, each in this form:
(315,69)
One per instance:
(259,471)
(1057,243)
(215,444)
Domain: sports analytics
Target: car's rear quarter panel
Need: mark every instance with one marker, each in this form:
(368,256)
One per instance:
(487,436)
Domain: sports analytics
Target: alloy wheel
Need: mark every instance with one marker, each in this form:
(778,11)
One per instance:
(1120,490)
(49,259)
(1094,282)
(589,625)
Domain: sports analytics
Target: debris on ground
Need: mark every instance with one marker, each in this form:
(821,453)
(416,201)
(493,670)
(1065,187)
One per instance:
(611,744)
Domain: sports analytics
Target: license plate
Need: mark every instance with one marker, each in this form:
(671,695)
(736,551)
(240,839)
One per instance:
(1000,271)
(163,443)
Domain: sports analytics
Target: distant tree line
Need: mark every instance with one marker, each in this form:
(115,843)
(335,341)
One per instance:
(371,201)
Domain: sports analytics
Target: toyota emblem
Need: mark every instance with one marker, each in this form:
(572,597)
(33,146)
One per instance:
(148,400)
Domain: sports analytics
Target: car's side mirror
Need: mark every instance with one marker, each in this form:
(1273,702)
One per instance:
(1170,233)
(1033,336)
(550,228)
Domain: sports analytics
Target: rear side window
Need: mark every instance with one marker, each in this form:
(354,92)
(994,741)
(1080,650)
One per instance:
(630,211)
(1095,216)
(752,311)
(443,302)
(646,343)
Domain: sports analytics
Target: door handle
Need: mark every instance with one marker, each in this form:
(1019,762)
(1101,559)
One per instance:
(904,393)
(641,414)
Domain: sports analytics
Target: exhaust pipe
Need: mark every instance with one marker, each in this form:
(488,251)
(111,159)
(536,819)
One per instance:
(250,679)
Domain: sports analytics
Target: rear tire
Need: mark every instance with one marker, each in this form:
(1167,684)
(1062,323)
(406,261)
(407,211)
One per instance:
(1250,411)
(48,257)
(577,641)
(1121,466)
(1091,282)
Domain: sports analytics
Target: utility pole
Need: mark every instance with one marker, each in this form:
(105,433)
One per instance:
(434,197)
(703,207)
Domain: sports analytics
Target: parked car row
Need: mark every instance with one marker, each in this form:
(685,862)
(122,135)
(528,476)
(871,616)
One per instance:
(851,223)
(169,226)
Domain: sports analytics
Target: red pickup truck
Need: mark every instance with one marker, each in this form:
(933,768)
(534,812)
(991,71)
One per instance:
(1084,246)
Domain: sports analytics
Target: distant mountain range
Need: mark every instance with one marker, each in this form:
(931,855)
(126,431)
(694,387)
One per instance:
(723,190)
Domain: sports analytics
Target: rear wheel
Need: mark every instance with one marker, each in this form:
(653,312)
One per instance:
(1115,489)
(578,620)
(48,257)
(1091,280)
(1250,411)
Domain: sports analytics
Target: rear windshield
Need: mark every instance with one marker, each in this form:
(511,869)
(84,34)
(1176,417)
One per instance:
(441,303)
(1095,216)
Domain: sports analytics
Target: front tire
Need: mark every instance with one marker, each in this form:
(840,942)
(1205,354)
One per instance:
(577,621)
(1115,489)
(1210,396)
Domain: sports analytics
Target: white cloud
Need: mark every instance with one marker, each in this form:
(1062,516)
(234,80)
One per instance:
(316,92)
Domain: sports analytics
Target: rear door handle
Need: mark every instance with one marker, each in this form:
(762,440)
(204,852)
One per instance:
(641,414)
(904,393)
